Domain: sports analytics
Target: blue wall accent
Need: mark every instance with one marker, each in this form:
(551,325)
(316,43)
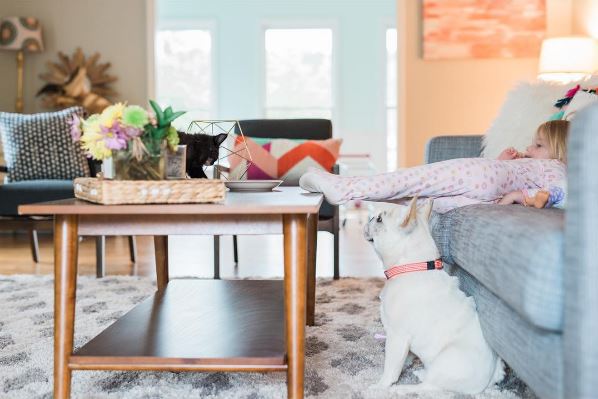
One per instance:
(360,57)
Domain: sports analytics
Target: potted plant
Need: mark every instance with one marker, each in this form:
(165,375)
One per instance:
(136,140)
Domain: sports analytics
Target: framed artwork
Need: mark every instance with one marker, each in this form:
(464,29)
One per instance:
(462,29)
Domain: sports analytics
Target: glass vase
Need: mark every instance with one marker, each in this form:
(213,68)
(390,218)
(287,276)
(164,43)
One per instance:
(148,167)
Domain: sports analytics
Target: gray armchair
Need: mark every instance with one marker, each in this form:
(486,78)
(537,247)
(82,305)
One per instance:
(532,272)
(308,129)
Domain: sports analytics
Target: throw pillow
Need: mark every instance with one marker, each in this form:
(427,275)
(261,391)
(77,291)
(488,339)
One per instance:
(527,106)
(283,159)
(581,100)
(39,146)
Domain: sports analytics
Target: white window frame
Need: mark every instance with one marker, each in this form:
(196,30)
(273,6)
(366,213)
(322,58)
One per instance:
(191,24)
(303,24)
(386,26)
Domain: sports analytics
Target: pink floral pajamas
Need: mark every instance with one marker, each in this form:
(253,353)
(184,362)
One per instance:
(455,182)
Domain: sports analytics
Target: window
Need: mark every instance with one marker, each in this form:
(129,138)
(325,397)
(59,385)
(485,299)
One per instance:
(391,99)
(298,73)
(184,73)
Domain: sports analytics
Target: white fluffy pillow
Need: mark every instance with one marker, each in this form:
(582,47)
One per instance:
(528,105)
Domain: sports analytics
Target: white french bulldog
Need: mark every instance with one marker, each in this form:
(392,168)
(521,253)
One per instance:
(423,311)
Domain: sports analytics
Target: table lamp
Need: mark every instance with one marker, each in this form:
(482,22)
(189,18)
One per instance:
(565,59)
(20,34)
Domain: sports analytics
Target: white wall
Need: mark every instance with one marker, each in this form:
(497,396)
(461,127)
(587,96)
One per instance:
(457,96)
(114,28)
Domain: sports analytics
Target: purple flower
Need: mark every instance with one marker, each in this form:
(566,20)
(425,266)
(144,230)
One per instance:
(114,136)
(75,125)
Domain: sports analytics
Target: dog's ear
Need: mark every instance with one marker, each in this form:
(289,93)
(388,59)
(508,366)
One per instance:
(426,210)
(411,213)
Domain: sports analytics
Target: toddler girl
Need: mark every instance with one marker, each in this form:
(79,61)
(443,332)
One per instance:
(512,178)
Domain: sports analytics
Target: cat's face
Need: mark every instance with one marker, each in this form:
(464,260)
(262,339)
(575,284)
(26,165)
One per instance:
(202,149)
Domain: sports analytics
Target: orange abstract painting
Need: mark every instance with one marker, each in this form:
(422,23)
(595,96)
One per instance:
(455,29)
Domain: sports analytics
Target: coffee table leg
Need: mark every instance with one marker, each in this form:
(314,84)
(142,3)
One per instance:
(66,242)
(295,281)
(161,251)
(312,245)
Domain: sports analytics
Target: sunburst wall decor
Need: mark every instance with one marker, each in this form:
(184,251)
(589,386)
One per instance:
(77,80)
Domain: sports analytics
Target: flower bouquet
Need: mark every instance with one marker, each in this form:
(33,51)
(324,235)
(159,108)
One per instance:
(136,140)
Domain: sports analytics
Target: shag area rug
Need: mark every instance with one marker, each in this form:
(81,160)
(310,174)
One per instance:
(343,359)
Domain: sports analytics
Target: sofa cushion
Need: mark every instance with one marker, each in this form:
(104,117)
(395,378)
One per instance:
(519,343)
(27,192)
(514,251)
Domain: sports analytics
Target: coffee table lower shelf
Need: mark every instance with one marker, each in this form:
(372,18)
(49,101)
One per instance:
(195,325)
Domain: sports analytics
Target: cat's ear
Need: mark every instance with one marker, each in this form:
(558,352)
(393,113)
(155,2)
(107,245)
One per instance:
(220,138)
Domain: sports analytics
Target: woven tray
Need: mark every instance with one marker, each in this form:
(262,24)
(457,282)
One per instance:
(113,192)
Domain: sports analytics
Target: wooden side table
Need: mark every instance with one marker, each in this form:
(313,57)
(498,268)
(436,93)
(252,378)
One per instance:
(193,325)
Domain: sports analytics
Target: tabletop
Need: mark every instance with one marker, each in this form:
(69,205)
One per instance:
(282,200)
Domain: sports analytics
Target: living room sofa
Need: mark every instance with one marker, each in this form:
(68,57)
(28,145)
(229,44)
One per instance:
(533,272)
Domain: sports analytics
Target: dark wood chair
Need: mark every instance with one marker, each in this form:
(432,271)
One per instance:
(305,129)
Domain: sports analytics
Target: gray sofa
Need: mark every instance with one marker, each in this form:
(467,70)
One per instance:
(533,272)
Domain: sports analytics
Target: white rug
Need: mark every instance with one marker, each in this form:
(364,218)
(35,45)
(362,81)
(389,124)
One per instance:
(343,358)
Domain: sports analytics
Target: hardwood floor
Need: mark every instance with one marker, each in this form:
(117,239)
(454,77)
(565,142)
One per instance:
(259,256)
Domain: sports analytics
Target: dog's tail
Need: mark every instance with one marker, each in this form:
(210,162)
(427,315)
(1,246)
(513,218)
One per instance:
(499,371)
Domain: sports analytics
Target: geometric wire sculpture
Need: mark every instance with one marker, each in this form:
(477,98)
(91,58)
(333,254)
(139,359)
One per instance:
(230,128)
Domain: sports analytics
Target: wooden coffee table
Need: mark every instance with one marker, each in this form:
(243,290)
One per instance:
(192,324)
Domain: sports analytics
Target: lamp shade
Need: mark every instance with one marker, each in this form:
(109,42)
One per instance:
(573,55)
(21,33)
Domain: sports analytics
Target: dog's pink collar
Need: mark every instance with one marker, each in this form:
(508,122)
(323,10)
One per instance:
(413,267)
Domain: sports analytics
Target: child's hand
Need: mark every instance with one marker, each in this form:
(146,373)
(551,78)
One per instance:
(515,197)
(508,154)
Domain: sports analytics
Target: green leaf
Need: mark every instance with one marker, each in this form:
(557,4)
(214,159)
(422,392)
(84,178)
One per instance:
(158,111)
(173,116)
(160,133)
(177,114)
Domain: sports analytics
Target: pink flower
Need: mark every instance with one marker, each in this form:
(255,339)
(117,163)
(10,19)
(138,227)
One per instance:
(131,132)
(75,125)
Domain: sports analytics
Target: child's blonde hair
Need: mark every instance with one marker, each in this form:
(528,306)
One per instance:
(555,133)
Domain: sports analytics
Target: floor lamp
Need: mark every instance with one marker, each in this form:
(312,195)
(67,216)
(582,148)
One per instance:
(20,34)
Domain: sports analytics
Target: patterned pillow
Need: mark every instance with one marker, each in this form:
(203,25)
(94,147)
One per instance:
(581,100)
(283,159)
(39,146)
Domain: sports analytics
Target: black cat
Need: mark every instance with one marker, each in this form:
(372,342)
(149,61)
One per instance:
(202,150)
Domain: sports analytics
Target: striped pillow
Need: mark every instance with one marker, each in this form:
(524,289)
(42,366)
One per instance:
(282,159)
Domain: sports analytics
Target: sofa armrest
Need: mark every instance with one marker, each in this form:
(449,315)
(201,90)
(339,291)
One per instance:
(581,251)
(441,148)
